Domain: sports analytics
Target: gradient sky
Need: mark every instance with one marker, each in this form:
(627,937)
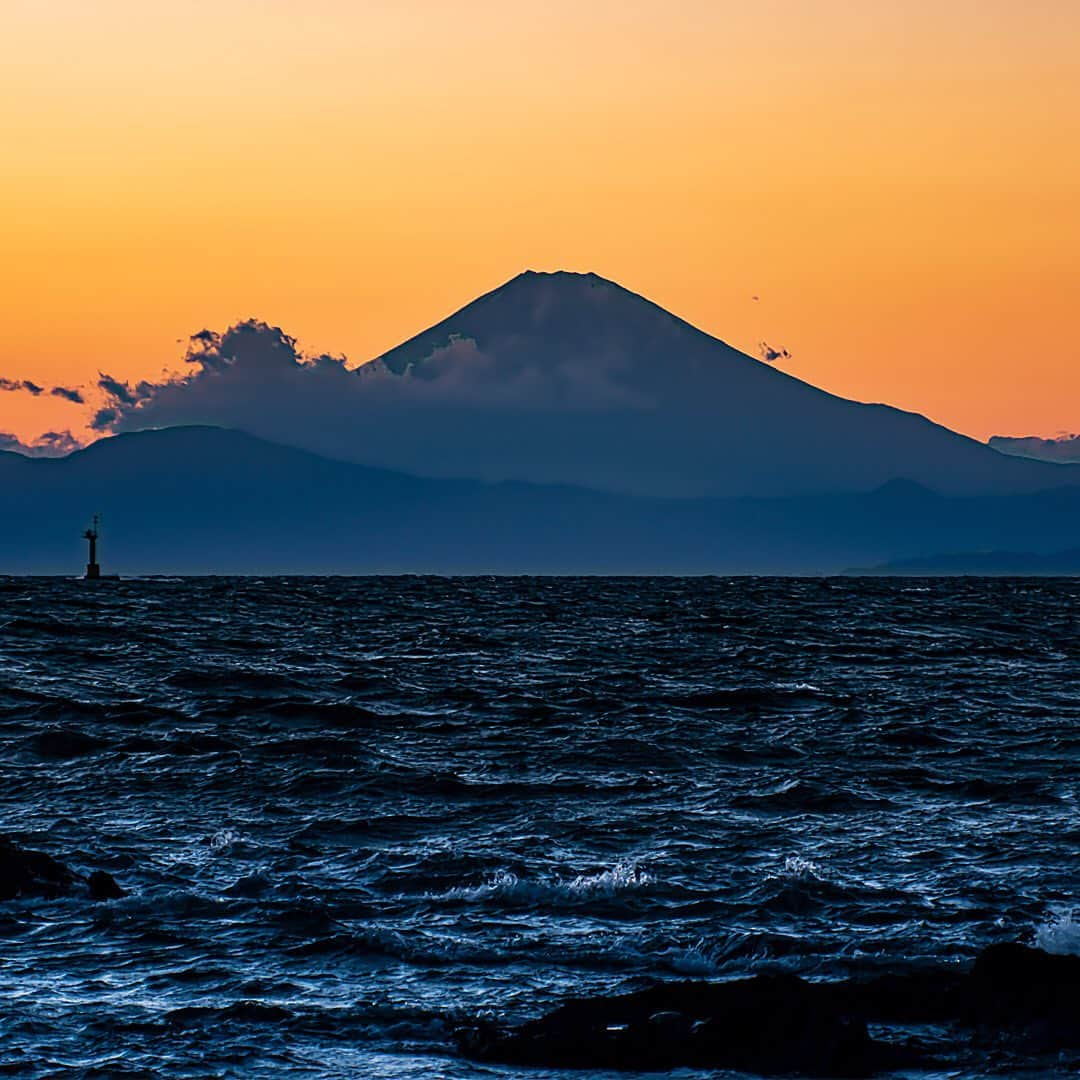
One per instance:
(897,182)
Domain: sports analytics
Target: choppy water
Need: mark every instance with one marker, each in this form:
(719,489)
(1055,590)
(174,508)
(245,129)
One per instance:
(352,812)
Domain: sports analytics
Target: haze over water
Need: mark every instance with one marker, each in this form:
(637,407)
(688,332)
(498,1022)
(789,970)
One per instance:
(353,813)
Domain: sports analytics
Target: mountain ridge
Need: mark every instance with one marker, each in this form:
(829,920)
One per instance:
(211,500)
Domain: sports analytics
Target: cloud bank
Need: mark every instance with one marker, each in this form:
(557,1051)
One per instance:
(255,370)
(50,444)
(26,385)
(69,393)
(1064,448)
(458,396)
(254,377)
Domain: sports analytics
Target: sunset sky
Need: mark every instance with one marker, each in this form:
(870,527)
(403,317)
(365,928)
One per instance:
(897,182)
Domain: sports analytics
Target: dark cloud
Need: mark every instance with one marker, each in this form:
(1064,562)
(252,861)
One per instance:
(56,443)
(253,376)
(69,393)
(455,398)
(771,355)
(104,418)
(118,391)
(50,444)
(251,366)
(20,384)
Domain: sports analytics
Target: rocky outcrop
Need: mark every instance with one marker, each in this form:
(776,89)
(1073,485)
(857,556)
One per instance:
(28,873)
(103,886)
(1031,995)
(770,1024)
(1025,1000)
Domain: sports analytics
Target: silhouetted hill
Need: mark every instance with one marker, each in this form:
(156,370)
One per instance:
(987,563)
(206,500)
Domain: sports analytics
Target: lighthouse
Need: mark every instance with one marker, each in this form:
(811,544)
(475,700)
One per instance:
(93,571)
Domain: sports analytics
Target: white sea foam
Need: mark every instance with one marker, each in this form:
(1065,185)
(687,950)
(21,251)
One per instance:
(224,839)
(1061,934)
(796,868)
(505,885)
(697,960)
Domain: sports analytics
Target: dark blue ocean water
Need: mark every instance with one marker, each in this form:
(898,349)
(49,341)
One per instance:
(352,813)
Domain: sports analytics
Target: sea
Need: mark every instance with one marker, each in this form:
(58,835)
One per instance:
(354,814)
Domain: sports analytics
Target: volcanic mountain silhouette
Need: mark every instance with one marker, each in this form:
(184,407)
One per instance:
(620,439)
(570,378)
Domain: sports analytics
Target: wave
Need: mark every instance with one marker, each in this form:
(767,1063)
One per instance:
(619,880)
(1061,934)
(735,951)
(777,695)
(230,679)
(246,1012)
(1025,790)
(800,869)
(808,796)
(358,797)
(336,714)
(803,888)
(65,743)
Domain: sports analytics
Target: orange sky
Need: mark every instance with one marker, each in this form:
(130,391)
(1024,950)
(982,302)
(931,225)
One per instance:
(896,181)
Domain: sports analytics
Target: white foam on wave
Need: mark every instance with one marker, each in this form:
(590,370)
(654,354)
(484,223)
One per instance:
(224,840)
(696,960)
(506,885)
(1061,934)
(797,868)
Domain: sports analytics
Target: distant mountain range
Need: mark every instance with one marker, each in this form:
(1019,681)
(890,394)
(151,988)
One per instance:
(206,500)
(988,563)
(570,379)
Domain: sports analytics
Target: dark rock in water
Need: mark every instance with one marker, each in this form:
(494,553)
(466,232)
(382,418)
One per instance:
(1026,992)
(770,1024)
(1027,1000)
(103,886)
(31,873)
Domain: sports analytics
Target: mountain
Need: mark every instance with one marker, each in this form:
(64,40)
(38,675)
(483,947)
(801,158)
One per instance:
(206,500)
(570,378)
(567,379)
(988,564)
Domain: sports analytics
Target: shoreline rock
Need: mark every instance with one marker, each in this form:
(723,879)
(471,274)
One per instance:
(25,872)
(1023,998)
